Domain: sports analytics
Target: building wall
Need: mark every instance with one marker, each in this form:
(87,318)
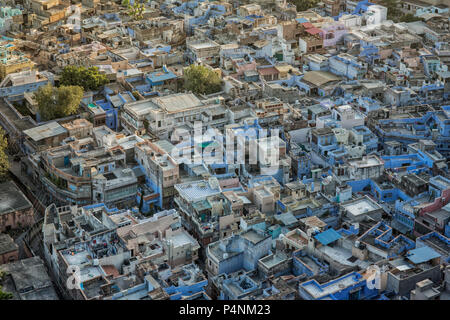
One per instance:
(16,219)
(404,286)
(9,257)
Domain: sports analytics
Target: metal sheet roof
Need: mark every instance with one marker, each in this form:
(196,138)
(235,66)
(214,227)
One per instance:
(45,131)
(319,78)
(422,254)
(286,218)
(328,236)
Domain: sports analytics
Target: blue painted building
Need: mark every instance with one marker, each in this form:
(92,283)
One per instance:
(351,286)
(347,65)
(241,251)
(238,288)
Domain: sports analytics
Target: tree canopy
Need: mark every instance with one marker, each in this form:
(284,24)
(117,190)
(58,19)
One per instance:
(88,78)
(409,17)
(200,79)
(5,295)
(4,162)
(303,5)
(136,10)
(393,13)
(59,102)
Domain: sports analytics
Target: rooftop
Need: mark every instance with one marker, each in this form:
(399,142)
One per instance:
(12,199)
(7,244)
(28,280)
(45,131)
(178,102)
(360,206)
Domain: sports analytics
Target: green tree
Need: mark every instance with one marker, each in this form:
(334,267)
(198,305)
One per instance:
(393,12)
(409,17)
(59,102)
(135,94)
(136,10)
(125,3)
(200,79)
(303,5)
(4,161)
(88,78)
(5,295)
(146,124)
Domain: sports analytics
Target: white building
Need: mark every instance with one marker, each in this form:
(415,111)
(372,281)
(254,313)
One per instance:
(375,14)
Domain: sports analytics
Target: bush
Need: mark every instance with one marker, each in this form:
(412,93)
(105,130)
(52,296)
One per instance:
(200,79)
(303,5)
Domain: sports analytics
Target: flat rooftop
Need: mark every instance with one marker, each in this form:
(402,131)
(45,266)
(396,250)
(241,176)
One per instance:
(369,161)
(177,102)
(141,107)
(197,190)
(7,244)
(12,199)
(182,238)
(361,206)
(318,291)
(29,280)
(274,259)
(253,236)
(203,45)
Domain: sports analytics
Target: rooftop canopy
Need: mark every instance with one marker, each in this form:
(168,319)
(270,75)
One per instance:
(422,254)
(327,236)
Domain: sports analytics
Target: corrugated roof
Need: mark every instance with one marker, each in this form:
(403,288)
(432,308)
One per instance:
(327,236)
(422,254)
(47,130)
(313,30)
(319,78)
(307,25)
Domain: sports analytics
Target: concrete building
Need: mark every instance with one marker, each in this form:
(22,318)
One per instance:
(206,51)
(351,286)
(360,209)
(11,59)
(164,114)
(161,170)
(425,291)
(16,211)
(45,136)
(28,279)
(9,250)
(237,252)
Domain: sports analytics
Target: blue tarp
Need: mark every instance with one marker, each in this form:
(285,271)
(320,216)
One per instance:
(422,254)
(327,236)
(301,20)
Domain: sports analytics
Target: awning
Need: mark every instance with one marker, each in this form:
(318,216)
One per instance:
(422,254)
